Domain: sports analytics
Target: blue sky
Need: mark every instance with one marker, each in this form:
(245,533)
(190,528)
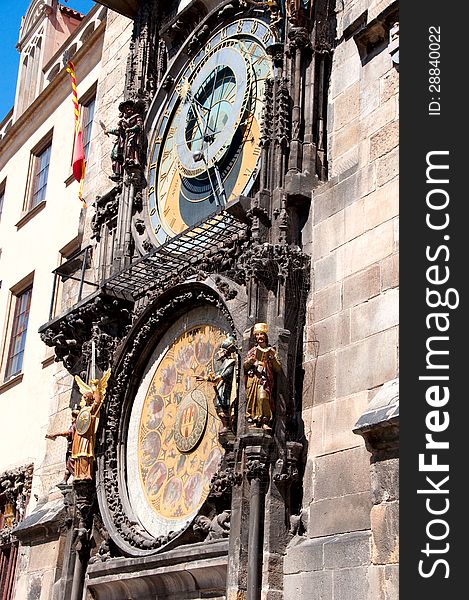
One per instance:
(11,12)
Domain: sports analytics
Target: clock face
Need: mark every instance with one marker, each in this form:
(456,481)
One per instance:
(206,144)
(173,449)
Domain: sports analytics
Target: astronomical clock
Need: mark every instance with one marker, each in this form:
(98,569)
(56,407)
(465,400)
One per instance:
(172,446)
(204,145)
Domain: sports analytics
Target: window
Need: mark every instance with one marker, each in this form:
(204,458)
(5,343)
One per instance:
(40,172)
(2,196)
(87,123)
(19,330)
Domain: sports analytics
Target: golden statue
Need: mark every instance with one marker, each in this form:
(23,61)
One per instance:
(260,367)
(87,424)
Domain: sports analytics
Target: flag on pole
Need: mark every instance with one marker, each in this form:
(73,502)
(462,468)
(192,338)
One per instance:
(78,161)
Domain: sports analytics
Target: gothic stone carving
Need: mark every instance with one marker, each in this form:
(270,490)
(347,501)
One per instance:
(71,335)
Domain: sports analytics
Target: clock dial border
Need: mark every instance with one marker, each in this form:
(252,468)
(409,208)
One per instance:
(164,217)
(160,522)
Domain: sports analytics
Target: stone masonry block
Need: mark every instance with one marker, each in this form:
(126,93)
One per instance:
(345,139)
(371,247)
(327,302)
(325,271)
(354,220)
(382,204)
(345,161)
(368,363)
(376,7)
(385,533)
(366,182)
(332,198)
(389,85)
(346,74)
(375,68)
(388,167)
(339,515)
(312,585)
(340,417)
(342,473)
(375,315)
(328,235)
(353,10)
(316,441)
(390,272)
(324,379)
(361,286)
(384,140)
(45,556)
(346,106)
(369,98)
(309,369)
(347,550)
(307,555)
(332,333)
(378,118)
(385,480)
(351,583)
(391,582)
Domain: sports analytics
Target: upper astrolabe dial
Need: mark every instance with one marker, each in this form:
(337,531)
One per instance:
(205,145)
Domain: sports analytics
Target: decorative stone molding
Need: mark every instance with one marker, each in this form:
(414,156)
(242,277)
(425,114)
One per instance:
(379,424)
(101,317)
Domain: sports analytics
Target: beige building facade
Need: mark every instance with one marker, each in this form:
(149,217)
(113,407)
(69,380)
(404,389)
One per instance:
(316,499)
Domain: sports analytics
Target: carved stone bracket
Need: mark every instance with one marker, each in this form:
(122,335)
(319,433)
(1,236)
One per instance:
(286,473)
(15,488)
(257,449)
(106,208)
(273,262)
(100,316)
(223,481)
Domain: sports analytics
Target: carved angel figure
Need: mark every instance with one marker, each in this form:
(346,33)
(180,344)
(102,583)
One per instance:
(86,425)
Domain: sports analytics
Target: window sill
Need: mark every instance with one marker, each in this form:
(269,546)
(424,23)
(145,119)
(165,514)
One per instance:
(29,215)
(48,361)
(70,179)
(11,382)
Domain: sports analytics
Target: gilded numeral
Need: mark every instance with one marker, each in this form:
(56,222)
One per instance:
(151,190)
(157,228)
(158,141)
(171,132)
(254,26)
(153,211)
(266,36)
(224,33)
(153,165)
(173,220)
(239,28)
(207,47)
(167,210)
(162,176)
(165,155)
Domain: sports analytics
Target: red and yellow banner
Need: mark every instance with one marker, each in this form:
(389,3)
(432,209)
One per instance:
(78,161)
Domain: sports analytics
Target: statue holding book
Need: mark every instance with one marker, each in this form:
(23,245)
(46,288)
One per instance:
(260,368)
